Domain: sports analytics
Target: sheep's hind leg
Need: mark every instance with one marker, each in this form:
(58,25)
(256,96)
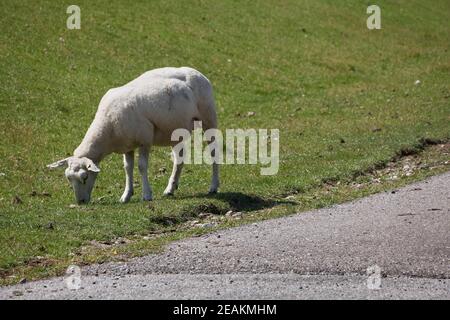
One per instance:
(128,164)
(143,170)
(215,179)
(215,182)
(175,176)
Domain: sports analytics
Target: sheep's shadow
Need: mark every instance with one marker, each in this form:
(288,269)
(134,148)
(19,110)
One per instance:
(239,201)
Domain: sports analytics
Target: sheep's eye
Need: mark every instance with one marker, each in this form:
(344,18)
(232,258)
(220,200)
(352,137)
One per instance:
(69,176)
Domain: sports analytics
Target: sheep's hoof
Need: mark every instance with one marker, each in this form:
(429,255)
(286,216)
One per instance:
(213,191)
(147,198)
(125,198)
(168,194)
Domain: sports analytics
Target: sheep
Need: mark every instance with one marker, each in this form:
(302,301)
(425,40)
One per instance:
(139,115)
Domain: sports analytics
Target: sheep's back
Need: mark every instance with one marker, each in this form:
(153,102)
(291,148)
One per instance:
(148,111)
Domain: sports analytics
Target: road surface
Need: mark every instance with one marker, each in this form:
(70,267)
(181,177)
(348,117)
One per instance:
(321,254)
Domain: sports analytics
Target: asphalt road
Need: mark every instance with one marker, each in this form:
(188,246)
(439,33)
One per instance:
(321,254)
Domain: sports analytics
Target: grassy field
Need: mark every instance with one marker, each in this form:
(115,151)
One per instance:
(343,97)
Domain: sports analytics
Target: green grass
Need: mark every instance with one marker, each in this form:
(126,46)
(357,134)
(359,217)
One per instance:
(310,68)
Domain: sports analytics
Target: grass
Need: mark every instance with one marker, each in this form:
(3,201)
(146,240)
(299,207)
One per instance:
(342,96)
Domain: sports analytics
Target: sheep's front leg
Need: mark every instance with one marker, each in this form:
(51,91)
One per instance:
(143,170)
(176,172)
(128,164)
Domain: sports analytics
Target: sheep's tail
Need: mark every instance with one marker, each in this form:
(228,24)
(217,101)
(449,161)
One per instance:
(209,117)
(207,108)
(203,93)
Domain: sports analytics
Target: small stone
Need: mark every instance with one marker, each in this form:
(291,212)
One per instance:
(119,241)
(17,293)
(237,215)
(73,206)
(251,113)
(204,215)
(417,82)
(229,213)
(23,280)
(205,225)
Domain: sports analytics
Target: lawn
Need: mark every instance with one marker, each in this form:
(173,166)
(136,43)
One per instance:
(345,99)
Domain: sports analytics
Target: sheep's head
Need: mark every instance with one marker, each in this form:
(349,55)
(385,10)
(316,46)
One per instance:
(81,173)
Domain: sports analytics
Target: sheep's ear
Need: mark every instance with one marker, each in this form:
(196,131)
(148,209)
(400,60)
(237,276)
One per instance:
(91,166)
(57,164)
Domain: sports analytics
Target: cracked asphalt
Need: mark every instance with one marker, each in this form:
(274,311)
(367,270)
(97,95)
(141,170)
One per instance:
(319,254)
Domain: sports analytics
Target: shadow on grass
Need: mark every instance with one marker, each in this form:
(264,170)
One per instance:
(238,201)
(235,201)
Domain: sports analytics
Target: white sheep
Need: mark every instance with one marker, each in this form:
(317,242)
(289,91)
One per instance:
(140,114)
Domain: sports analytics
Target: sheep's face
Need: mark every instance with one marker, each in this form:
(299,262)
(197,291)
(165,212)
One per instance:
(82,179)
(81,173)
